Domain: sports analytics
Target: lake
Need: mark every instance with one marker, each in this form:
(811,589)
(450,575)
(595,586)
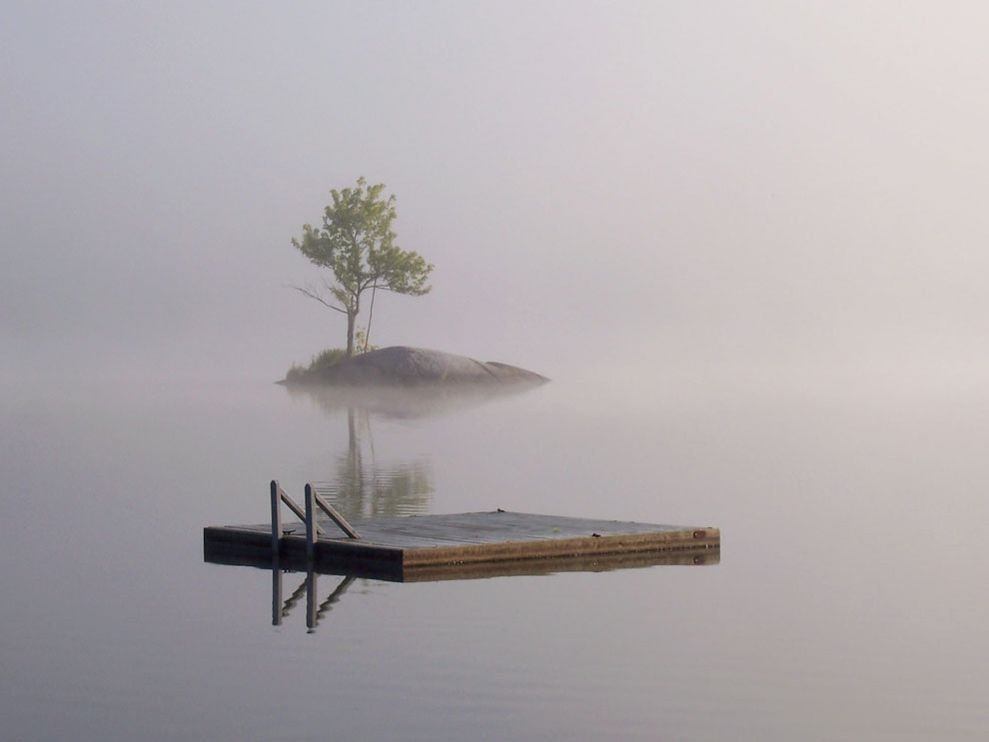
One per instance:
(847,602)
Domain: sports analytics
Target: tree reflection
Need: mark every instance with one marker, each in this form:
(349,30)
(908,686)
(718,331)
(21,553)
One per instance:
(364,488)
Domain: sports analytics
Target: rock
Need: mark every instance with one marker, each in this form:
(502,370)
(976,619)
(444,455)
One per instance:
(402,365)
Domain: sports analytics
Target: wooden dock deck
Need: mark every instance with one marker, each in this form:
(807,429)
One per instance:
(466,544)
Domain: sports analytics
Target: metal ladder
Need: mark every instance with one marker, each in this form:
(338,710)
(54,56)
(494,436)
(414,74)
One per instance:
(313,500)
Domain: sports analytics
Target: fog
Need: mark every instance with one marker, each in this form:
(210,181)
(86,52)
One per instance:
(759,223)
(763,195)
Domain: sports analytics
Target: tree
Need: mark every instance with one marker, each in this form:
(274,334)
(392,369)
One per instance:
(357,244)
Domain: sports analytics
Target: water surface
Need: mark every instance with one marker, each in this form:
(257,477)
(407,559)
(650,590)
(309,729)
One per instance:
(847,604)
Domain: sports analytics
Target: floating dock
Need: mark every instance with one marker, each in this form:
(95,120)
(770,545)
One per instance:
(432,546)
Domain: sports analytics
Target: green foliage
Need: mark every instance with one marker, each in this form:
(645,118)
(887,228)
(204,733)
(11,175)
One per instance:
(357,245)
(327,358)
(322,361)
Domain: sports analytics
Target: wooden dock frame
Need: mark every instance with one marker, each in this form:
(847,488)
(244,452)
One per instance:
(450,546)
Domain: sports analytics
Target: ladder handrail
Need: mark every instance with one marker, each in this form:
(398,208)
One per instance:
(307,516)
(332,513)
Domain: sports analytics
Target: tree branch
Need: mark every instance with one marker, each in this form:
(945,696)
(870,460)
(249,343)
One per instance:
(317,297)
(369,283)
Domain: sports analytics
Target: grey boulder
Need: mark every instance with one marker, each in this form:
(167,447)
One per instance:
(400,364)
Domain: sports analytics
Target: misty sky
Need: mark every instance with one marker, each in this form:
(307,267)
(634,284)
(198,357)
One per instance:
(767,186)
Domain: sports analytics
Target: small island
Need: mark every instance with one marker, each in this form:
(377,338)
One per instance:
(356,244)
(401,365)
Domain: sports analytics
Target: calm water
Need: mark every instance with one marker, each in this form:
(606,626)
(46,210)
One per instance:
(849,602)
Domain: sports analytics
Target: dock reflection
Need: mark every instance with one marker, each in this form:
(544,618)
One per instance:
(316,610)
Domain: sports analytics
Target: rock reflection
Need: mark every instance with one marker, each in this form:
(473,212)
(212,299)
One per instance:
(404,402)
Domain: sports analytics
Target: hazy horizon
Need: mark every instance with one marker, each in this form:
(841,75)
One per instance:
(776,194)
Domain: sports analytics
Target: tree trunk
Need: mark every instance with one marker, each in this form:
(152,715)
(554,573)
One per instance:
(370,317)
(351,320)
